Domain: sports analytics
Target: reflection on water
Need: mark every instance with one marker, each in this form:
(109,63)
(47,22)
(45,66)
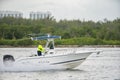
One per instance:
(105,66)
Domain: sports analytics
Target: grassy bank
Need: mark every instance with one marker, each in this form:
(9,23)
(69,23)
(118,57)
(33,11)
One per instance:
(20,42)
(86,41)
(73,41)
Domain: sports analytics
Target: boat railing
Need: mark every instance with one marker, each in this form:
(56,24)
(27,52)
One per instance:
(65,51)
(72,50)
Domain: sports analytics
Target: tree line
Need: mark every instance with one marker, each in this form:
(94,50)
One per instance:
(19,28)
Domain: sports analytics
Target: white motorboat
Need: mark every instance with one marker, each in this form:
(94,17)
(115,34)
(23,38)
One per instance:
(51,60)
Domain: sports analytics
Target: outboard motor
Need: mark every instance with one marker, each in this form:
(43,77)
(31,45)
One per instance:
(8,60)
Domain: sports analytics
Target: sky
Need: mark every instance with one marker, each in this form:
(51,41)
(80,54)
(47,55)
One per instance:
(96,10)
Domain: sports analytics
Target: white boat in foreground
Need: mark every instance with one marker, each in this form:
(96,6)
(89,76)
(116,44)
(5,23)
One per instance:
(50,60)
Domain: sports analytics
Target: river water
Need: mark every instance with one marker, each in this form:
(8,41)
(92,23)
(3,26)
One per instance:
(103,66)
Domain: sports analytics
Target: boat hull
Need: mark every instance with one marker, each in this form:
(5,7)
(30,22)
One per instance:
(47,62)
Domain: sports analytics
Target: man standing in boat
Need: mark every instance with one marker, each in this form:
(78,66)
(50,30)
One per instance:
(40,50)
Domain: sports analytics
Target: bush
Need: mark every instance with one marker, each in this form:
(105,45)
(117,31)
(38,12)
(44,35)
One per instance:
(111,42)
(7,42)
(86,41)
(73,41)
(20,42)
(24,42)
(98,42)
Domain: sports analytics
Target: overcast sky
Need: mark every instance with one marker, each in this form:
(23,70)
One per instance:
(67,9)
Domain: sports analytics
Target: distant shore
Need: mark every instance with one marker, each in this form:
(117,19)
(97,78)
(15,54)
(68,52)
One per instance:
(63,46)
(89,46)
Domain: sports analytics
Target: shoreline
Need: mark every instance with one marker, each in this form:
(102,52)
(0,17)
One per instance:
(91,46)
(64,46)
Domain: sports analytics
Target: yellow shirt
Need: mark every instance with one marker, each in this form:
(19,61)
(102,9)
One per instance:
(40,48)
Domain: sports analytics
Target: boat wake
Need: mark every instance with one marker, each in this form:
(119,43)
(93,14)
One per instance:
(21,67)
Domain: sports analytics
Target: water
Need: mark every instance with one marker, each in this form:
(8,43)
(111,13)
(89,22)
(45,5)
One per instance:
(105,66)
